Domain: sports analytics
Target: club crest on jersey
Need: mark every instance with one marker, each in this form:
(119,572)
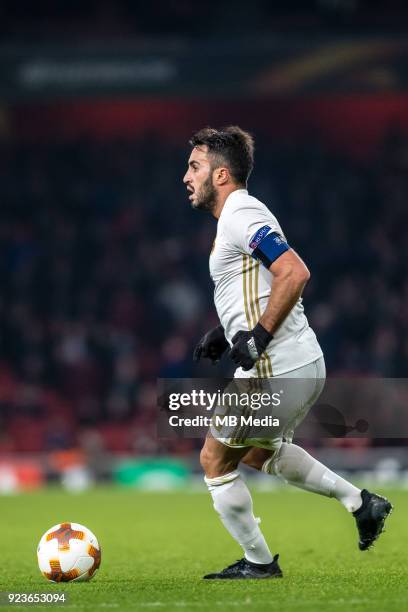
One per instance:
(259,236)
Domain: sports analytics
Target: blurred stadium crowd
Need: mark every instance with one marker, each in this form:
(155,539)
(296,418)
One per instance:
(105,282)
(107,20)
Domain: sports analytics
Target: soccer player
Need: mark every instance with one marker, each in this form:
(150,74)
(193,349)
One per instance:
(258,282)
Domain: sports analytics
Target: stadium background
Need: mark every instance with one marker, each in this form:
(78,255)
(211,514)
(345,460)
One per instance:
(104,267)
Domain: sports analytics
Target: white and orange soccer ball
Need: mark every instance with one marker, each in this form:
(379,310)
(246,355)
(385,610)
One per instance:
(68,552)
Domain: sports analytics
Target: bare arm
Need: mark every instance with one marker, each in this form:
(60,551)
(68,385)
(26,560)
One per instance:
(290,275)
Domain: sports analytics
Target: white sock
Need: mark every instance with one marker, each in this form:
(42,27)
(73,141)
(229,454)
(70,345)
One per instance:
(233,502)
(294,465)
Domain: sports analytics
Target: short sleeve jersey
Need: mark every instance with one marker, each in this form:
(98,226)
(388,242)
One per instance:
(243,285)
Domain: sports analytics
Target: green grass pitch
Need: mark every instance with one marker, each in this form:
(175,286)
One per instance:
(156,547)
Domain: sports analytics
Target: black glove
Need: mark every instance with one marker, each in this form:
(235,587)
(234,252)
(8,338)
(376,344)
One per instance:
(248,346)
(212,345)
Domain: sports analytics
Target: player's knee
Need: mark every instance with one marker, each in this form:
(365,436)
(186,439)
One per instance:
(215,465)
(210,463)
(250,461)
(253,462)
(206,459)
(256,458)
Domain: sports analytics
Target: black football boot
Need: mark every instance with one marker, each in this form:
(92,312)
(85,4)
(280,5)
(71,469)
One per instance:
(370,518)
(245,570)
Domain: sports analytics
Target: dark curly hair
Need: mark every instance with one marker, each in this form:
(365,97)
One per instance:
(231,147)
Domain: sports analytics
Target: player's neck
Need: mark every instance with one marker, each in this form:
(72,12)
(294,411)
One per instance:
(222,198)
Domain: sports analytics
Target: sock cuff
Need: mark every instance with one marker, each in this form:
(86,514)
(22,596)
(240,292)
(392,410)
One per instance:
(220,480)
(267,467)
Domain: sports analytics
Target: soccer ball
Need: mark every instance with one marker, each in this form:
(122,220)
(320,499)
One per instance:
(68,552)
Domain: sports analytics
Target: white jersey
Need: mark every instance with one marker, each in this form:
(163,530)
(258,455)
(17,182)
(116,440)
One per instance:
(243,286)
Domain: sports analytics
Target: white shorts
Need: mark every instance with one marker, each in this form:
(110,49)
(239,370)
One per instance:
(294,406)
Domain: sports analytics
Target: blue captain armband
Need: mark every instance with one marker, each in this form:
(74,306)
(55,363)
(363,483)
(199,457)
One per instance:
(269,248)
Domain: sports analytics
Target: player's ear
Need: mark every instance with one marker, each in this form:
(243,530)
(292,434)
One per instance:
(221,176)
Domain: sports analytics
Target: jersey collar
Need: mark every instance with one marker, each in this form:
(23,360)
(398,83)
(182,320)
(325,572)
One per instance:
(232,196)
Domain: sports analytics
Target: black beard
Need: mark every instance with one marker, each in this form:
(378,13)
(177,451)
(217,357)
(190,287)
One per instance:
(206,196)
